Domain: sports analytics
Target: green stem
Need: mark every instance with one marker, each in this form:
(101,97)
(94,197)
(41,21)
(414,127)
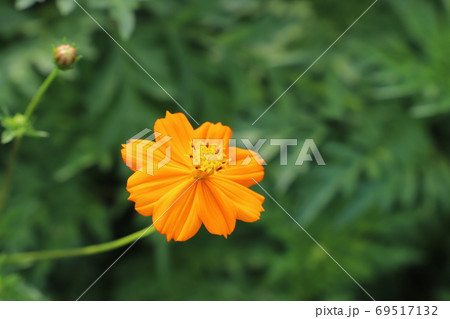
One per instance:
(82,251)
(37,97)
(4,189)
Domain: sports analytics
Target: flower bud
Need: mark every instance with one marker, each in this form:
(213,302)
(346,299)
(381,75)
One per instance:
(65,56)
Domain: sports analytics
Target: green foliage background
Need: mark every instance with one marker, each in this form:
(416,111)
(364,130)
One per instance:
(377,105)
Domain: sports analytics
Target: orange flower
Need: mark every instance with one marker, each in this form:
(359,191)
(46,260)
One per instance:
(205,181)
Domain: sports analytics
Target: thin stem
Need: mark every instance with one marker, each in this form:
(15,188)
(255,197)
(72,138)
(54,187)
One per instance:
(75,252)
(37,97)
(4,189)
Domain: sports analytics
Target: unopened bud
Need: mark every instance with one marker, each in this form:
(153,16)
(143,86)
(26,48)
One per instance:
(65,56)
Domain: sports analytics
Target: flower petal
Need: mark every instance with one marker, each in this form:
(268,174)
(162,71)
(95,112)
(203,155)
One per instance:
(145,190)
(216,212)
(245,167)
(177,127)
(138,154)
(208,131)
(175,214)
(247,202)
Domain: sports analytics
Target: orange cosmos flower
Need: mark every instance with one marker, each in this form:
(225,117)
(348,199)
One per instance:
(203,180)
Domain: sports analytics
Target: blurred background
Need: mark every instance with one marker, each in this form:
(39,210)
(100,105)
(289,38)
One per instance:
(377,105)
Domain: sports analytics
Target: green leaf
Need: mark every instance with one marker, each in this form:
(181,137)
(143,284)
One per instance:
(25,4)
(65,6)
(122,12)
(7,136)
(33,133)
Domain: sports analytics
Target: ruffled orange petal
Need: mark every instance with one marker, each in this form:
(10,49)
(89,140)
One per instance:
(175,214)
(146,190)
(138,155)
(248,204)
(177,127)
(245,167)
(216,212)
(209,131)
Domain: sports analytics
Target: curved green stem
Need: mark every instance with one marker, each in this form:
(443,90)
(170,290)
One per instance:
(75,252)
(37,97)
(4,189)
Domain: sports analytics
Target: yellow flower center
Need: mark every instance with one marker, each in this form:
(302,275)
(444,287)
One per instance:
(207,159)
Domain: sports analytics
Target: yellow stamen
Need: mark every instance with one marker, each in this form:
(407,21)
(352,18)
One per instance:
(210,160)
